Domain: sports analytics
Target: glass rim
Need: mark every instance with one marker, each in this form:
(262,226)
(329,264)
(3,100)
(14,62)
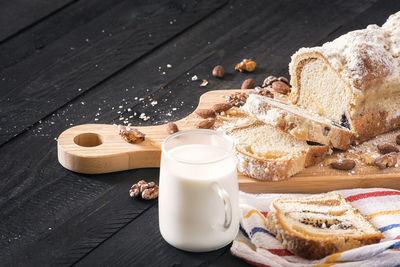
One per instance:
(229,152)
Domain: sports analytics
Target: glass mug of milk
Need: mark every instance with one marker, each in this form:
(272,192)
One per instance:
(199,195)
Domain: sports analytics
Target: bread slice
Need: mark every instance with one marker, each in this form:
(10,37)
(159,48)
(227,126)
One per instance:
(319,225)
(265,152)
(298,122)
(353,80)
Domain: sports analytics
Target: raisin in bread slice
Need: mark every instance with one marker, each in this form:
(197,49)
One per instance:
(265,152)
(319,225)
(353,80)
(298,122)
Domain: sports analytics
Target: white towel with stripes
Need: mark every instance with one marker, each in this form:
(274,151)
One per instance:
(255,245)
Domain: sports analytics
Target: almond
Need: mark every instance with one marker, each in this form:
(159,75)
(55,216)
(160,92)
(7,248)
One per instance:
(398,139)
(280,87)
(206,113)
(343,164)
(206,124)
(386,161)
(221,107)
(386,148)
(172,127)
(248,84)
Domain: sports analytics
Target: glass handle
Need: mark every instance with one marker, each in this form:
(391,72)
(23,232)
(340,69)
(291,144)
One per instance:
(227,205)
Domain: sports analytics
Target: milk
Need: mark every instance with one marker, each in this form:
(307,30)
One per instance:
(191,212)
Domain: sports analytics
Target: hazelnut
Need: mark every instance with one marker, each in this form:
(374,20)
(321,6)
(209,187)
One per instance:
(248,84)
(218,71)
(247,65)
(172,127)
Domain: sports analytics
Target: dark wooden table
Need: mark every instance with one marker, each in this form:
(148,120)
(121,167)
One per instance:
(69,62)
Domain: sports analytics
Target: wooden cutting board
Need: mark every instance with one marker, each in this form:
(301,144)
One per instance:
(97,148)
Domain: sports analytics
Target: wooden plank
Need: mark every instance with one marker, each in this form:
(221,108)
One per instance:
(101,213)
(41,177)
(129,250)
(87,56)
(376,14)
(44,32)
(18,15)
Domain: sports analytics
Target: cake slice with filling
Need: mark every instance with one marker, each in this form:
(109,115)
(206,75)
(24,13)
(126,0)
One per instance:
(263,151)
(319,225)
(300,123)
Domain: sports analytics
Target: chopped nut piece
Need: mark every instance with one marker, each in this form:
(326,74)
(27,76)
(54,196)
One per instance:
(248,84)
(221,107)
(206,124)
(264,92)
(206,113)
(131,135)
(269,80)
(247,65)
(280,87)
(145,186)
(343,164)
(204,83)
(218,71)
(172,127)
(237,99)
(145,190)
(284,79)
(386,148)
(386,160)
(150,193)
(398,139)
(136,189)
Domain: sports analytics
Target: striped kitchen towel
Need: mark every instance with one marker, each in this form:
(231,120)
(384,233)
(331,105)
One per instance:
(257,246)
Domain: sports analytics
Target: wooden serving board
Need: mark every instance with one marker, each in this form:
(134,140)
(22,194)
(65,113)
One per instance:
(97,148)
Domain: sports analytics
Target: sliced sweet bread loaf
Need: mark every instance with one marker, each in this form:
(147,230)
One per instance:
(298,122)
(265,152)
(353,80)
(319,225)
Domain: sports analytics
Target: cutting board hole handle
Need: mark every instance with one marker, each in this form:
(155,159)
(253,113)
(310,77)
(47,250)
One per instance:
(88,139)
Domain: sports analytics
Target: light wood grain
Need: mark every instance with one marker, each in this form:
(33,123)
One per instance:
(114,154)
